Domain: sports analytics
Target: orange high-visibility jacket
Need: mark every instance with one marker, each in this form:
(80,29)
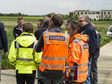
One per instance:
(79,52)
(55,51)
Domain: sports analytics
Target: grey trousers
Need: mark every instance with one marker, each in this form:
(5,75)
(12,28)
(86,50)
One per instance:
(94,72)
(0,62)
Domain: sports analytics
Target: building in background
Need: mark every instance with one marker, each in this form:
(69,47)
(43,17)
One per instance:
(94,15)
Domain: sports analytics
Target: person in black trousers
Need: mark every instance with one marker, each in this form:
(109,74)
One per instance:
(94,70)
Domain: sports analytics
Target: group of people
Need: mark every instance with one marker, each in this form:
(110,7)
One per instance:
(58,57)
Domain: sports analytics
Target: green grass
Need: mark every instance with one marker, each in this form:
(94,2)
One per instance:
(102,27)
(5,63)
(104,39)
(10,36)
(102,22)
(11,22)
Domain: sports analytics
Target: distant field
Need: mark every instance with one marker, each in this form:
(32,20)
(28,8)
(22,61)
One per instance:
(11,22)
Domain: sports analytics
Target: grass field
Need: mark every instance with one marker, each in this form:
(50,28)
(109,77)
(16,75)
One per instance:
(102,27)
(11,22)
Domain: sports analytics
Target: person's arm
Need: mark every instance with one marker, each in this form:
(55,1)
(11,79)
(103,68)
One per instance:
(40,44)
(37,57)
(14,32)
(12,53)
(92,42)
(37,34)
(97,50)
(4,39)
(74,53)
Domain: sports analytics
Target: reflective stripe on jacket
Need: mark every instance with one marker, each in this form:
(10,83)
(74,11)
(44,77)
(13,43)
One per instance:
(78,52)
(55,51)
(21,53)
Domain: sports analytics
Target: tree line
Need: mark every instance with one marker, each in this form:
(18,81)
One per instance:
(13,14)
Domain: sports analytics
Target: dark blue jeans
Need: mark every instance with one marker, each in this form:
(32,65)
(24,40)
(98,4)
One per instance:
(88,81)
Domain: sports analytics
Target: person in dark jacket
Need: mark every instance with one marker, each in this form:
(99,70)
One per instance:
(18,29)
(53,71)
(3,43)
(94,70)
(39,26)
(88,29)
(42,26)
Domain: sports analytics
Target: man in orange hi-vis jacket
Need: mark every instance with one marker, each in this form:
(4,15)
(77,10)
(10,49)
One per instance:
(55,49)
(78,55)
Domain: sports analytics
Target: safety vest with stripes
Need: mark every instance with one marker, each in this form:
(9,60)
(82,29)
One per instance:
(81,59)
(55,51)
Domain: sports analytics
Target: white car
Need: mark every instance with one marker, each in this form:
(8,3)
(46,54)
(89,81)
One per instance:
(109,32)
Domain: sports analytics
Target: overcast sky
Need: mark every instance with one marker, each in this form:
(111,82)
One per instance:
(41,7)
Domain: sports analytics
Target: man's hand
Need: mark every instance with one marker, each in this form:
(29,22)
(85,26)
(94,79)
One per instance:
(17,35)
(5,53)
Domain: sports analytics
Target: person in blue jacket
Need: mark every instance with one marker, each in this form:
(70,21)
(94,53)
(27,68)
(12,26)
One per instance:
(88,29)
(3,43)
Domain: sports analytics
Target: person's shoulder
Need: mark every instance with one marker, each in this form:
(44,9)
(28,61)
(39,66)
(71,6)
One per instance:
(13,42)
(42,29)
(36,30)
(16,27)
(91,28)
(1,23)
(98,34)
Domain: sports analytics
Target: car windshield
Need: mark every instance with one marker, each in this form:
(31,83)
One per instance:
(110,29)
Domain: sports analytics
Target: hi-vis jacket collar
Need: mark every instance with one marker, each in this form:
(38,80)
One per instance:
(83,37)
(25,40)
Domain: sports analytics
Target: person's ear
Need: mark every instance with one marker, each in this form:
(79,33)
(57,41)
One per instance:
(75,31)
(51,24)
